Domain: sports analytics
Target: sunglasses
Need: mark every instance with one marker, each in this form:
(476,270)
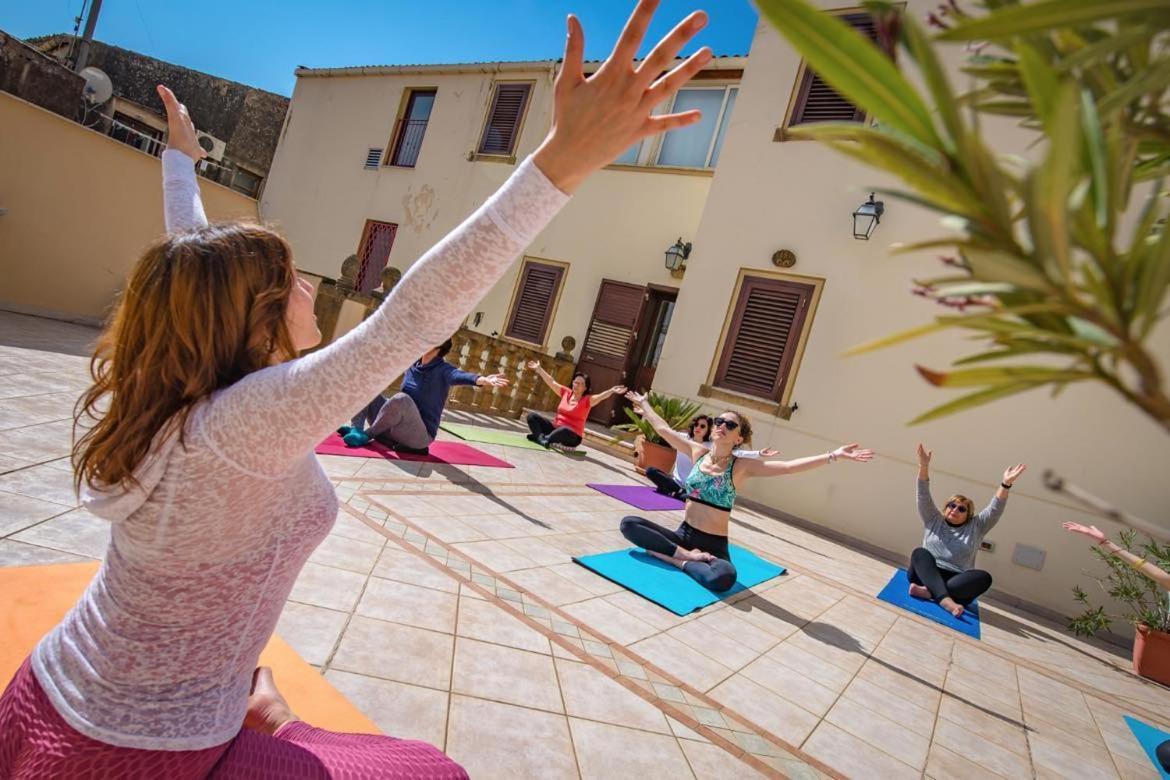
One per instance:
(962,508)
(720,422)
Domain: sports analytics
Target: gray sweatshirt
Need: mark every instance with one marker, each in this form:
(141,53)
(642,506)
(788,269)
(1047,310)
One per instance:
(954,546)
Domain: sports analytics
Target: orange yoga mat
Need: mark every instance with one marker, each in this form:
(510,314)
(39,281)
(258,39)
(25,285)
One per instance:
(33,599)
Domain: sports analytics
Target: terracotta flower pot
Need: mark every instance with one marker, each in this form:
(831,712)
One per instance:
(1151,654)
(649,454)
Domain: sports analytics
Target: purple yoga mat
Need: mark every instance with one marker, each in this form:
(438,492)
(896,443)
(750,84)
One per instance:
(639,496)
(455,453)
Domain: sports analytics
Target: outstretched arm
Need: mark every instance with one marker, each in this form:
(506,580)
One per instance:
(553,384)
(182,204)
(773,468)
(926,508)
(994,510)
(604,394)
(1140,565)
(672,437)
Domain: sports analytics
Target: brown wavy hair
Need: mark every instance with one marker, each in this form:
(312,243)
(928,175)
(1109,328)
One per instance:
(745,427)
(202,309)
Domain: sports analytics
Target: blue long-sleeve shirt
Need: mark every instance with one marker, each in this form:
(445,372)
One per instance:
(428,386)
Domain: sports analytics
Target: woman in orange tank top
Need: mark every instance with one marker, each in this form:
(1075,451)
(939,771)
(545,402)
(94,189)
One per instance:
(567,428)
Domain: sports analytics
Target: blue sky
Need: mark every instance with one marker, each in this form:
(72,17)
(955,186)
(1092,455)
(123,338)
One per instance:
(260,42)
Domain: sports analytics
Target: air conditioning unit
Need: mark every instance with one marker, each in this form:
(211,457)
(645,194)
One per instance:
(212,145)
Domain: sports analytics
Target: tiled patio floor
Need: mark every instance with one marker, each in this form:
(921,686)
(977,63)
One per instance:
(446,606)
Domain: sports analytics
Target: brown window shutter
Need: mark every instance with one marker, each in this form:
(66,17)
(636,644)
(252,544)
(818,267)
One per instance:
(532,309)
(503,122)
(765,328)
(816,101)
(374,253)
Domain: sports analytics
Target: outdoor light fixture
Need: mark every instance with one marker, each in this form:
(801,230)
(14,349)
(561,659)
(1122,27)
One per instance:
(676,258)
(867,217)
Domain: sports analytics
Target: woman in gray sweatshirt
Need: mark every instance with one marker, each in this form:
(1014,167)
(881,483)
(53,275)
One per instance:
(941,568)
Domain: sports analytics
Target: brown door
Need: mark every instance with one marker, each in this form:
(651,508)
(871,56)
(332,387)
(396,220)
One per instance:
(609,342)
(659,309)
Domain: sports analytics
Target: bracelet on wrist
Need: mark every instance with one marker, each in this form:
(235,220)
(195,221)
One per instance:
(1138,564)
(832,457)
(1005,486)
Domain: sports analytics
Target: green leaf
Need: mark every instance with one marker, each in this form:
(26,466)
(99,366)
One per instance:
(1153,282)
(962,321)
(1151,81)
(994,266)
(1019,20)
(1095,153)
(1050,184)
(1087,55)
(1091,332)
(1041,81)
(971,400)
(896,338)
(997,375)
(935,77)
(853,66)
(974,288)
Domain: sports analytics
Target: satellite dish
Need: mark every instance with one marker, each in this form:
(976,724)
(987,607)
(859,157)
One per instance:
(98,87)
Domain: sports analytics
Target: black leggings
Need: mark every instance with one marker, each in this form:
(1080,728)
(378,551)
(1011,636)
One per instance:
(1163,754)
(546,434)
(717,575)
(963,587)
(665,483)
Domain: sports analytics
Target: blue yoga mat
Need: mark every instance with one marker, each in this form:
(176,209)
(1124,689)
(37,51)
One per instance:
(897,592)
(667,585)
(1149,738)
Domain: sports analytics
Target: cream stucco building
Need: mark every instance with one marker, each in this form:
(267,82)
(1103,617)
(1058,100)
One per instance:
(739,193)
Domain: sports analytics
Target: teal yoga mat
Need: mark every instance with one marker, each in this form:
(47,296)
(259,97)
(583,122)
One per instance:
(667,585)
(1149,738)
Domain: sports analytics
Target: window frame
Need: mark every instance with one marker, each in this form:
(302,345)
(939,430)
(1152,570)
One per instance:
(396,134)
(554,303)
(510,157)
(650,149)
(778,402)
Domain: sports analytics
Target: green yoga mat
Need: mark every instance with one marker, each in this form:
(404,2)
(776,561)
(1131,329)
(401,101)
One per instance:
(492,436)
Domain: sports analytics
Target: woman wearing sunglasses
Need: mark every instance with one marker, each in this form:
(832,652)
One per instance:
(699,545)
(674,484)
(941,568)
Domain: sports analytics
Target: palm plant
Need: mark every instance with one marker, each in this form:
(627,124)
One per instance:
(675,411)
(1060,287)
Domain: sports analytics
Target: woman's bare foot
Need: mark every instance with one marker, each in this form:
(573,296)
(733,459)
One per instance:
(919,591)
(267,709)
(693,555)
(950,605)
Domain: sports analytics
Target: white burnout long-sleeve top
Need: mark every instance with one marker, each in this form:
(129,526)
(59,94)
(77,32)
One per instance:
(158,653)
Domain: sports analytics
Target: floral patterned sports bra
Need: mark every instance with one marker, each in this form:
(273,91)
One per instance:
(715,490)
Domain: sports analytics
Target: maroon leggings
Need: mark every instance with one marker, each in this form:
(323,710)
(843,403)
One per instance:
(36,742)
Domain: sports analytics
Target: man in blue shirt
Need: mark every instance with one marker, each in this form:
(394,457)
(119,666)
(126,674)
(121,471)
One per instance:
(408,421)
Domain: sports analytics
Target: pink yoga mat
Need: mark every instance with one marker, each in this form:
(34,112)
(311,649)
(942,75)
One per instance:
(639,496)
(455,453)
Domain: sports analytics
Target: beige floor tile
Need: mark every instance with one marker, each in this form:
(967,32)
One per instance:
(537,551)
(325,586)
(854,757)
(990,665)
(683,661)
(410,605)
(832,643)
(901,683)
(590,694)
(728,623)
(399,710)
(14,553)
(795,654)
(479,619)
(550,586)
(984,692)
(765,616)
(605,751)
(1005,732)
(791,684)
(505,674)
(914,636)
(874,699)
(312,631)
(395,652)
(43,483)
(345,553)
(352,528)
(649,612)
(931,669)
(493,740)
(496,556)
(942,764)
(765,708)
(617,624)
(726,650)
(583,578)
(1069,760)
(400,565)
(18,512)
(76,532)
(449,529)
(888,736)
(980,751)
(710,761)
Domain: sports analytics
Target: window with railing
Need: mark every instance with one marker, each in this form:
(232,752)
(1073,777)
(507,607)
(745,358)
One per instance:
(150,141)
(696,146)
(410,129)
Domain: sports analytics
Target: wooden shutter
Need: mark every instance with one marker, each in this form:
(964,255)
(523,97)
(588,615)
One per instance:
(765,328)
(608,351)
(503,122)
(535,298)
(816,101)
(374,253)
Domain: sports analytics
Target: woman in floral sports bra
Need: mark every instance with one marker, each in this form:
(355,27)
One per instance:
(699,545)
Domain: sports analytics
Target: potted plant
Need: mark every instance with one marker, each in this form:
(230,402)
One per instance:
(651,449)
(1147,606)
